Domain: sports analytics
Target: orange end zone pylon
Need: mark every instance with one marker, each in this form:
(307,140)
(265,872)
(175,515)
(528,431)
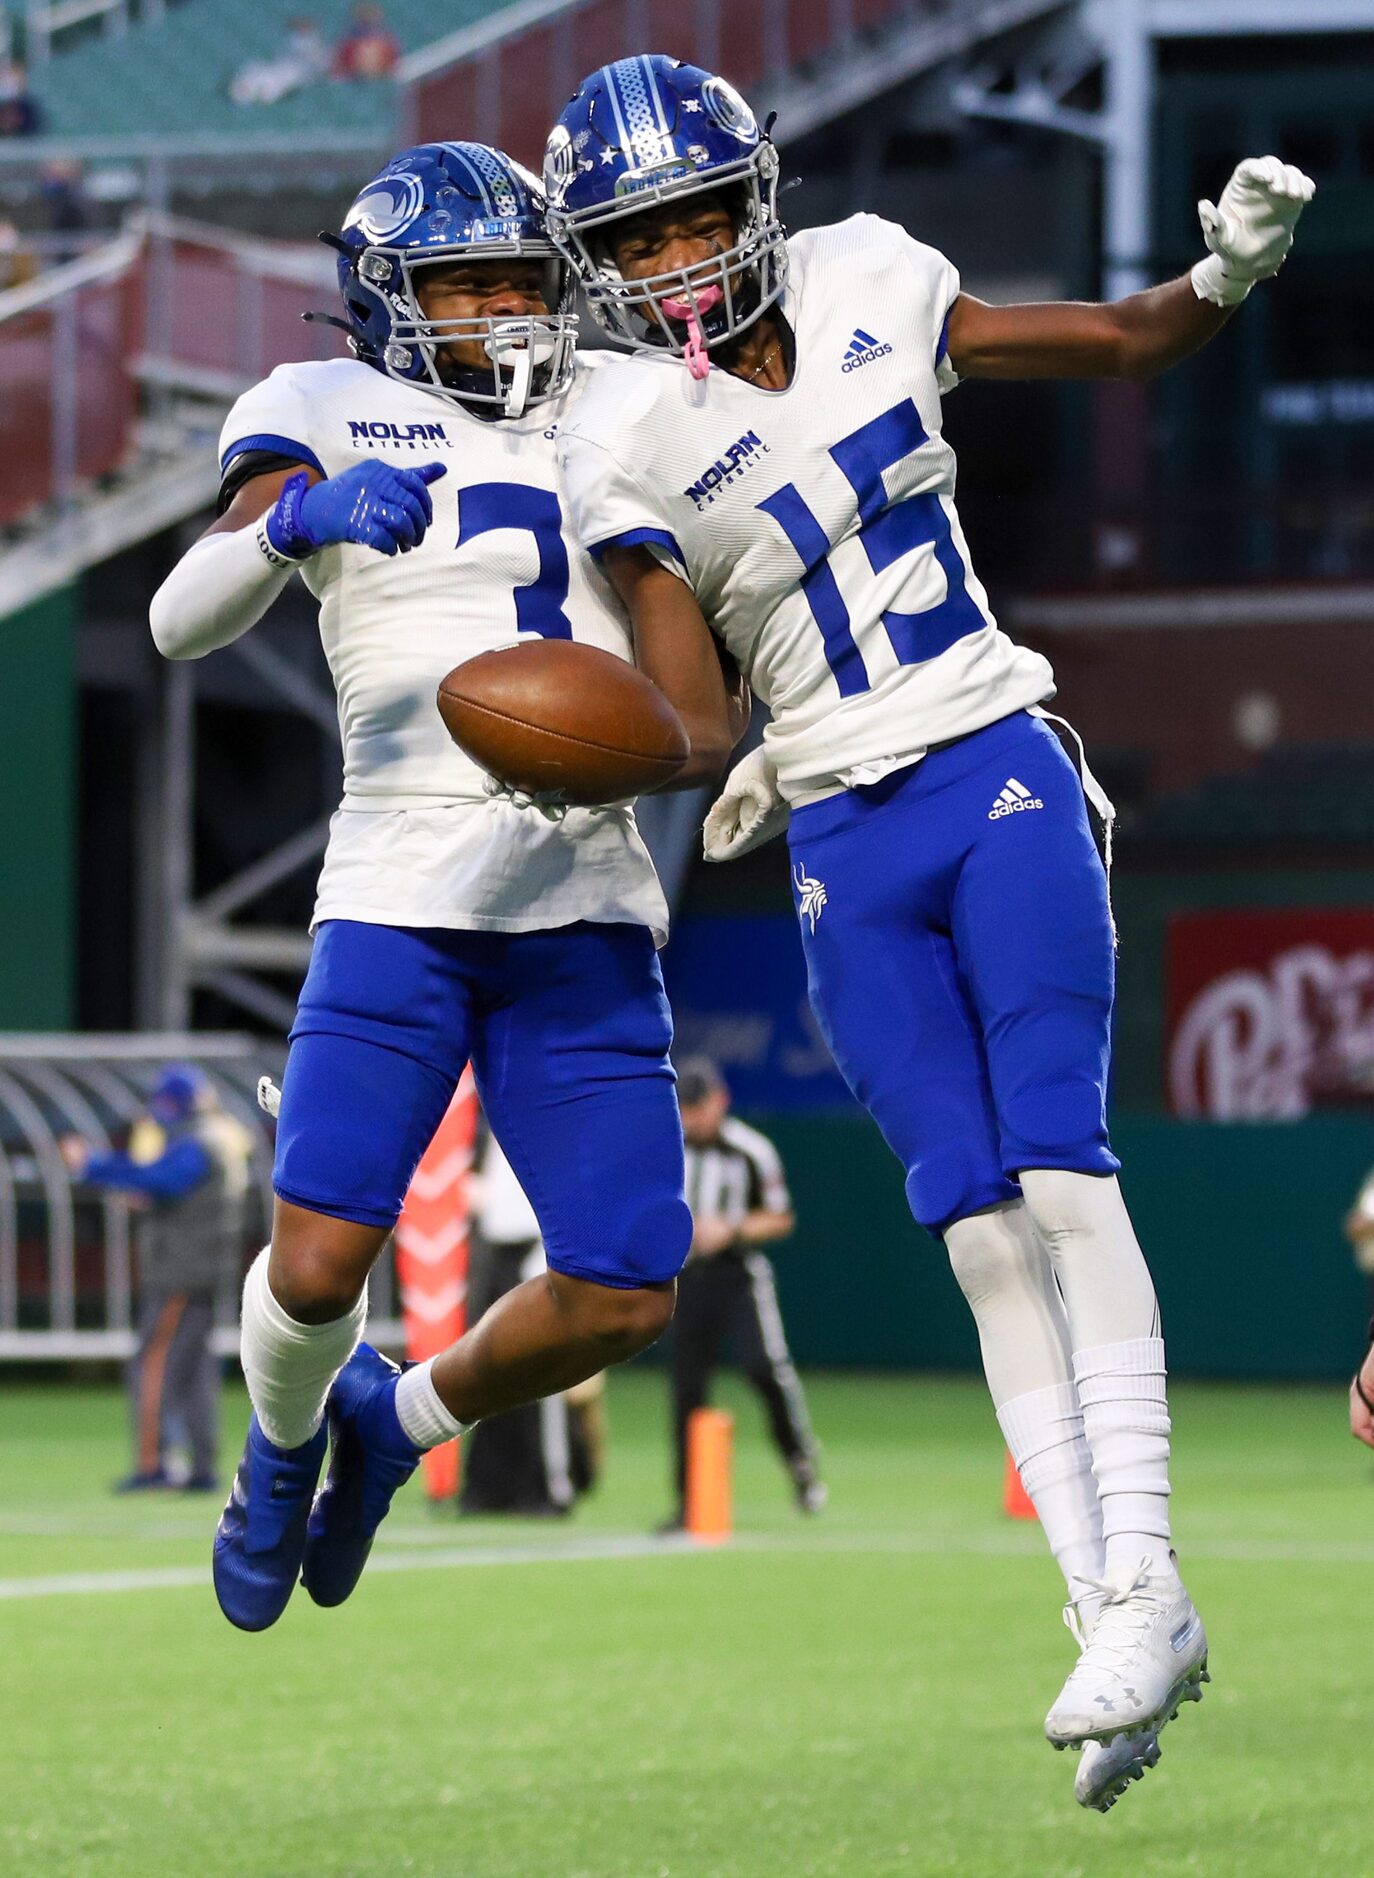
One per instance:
(1016,1502)
(708,1514)
(432,1257)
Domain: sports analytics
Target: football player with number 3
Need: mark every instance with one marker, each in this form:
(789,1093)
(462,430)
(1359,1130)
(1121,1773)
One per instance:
(769,466)
(414,487)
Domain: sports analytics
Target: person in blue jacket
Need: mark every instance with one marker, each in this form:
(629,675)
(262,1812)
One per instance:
(192,1197)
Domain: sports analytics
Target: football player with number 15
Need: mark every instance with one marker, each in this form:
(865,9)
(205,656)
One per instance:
(768,466)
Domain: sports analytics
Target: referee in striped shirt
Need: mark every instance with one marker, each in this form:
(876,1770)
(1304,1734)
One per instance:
(739,1200)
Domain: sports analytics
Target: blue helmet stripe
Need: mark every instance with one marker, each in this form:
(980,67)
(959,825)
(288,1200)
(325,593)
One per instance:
(634,114)
(500,184)
(462,156)
(611,75)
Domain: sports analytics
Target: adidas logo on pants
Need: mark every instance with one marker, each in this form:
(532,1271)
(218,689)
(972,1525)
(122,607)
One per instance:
(1012,800)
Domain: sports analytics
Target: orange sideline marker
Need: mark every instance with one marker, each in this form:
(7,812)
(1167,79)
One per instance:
(710,1444)
(1016,1502)
(432,1257)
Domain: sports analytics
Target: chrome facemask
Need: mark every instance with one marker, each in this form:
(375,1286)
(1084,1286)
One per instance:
(531,358)
(715,299)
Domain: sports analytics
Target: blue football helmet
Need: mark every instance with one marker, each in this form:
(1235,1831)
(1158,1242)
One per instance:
(650,130)
(436,204)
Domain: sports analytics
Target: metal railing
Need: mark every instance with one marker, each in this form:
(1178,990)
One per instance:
(49,21)
(69,1256)
(169,306)
(507,78)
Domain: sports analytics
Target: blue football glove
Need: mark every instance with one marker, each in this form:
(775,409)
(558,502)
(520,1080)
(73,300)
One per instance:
(373,505)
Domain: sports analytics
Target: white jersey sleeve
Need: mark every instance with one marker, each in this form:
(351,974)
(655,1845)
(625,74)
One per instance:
(274,416)
(613,509)
(929,284)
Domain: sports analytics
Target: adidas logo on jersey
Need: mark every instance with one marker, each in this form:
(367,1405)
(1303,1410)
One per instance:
(863,349)
(1012,800)
(741,456)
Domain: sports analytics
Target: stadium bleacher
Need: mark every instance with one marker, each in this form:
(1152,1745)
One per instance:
(172,77)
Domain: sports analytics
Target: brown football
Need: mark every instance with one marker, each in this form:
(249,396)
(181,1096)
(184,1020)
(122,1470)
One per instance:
(554,715)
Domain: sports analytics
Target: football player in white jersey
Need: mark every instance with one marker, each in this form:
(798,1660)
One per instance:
(415,488)
(769,464)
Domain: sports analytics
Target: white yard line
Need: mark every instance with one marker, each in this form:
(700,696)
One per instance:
(598,1547)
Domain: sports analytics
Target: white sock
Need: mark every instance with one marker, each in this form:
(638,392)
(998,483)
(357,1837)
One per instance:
(1044,1431)
(420,1412)
(1126,1421)
(1004,1271)
(289,1366)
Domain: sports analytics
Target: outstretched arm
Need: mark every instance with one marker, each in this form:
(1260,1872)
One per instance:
(1138,337)
(1249,233)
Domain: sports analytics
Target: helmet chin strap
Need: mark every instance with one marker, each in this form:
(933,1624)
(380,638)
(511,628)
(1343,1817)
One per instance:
(697,358)
(522,345)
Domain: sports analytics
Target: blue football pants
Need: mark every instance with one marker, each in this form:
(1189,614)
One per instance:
(960,960)
(568,1032)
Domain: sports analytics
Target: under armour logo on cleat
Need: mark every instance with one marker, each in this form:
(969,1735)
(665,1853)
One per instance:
(1105,1702)
(811,895)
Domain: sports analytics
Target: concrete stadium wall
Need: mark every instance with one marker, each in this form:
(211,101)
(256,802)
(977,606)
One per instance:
(38,822)
(1241,1225)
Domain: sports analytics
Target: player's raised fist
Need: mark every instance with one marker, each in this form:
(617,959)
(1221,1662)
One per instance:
(372,505)
(1250,230)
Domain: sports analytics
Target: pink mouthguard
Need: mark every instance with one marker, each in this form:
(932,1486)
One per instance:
(694,353)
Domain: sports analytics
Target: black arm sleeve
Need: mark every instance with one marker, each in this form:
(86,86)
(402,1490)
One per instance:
(245,467)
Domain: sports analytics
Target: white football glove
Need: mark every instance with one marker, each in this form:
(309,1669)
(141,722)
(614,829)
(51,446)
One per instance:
(1251,229)
(749,810)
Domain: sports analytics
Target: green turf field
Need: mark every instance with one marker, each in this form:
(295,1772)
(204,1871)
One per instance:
(860,1694)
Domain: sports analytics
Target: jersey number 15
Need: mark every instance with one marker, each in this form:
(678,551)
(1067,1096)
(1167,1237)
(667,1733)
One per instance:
(888,530)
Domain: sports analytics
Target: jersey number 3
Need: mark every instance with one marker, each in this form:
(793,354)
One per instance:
(888,530)
(540,605)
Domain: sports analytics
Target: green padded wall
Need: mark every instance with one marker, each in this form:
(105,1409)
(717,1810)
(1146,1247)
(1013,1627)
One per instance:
(38,818)
(1240,1223)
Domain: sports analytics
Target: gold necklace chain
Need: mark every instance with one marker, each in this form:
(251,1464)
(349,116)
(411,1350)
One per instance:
(766,360)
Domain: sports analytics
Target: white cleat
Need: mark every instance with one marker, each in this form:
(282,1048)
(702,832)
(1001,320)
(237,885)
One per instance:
(1145,1655)
(1107,1768)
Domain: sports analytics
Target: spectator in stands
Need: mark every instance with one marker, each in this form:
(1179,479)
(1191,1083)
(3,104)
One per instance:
(303,60)
(193,1186)
(62,186)
(369,49)
(21,115)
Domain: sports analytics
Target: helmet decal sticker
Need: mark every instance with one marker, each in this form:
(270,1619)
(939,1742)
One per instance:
(728,110)
(389,206)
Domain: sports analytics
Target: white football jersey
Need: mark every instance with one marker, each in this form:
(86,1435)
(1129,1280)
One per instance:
(416,841)
(816,525)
